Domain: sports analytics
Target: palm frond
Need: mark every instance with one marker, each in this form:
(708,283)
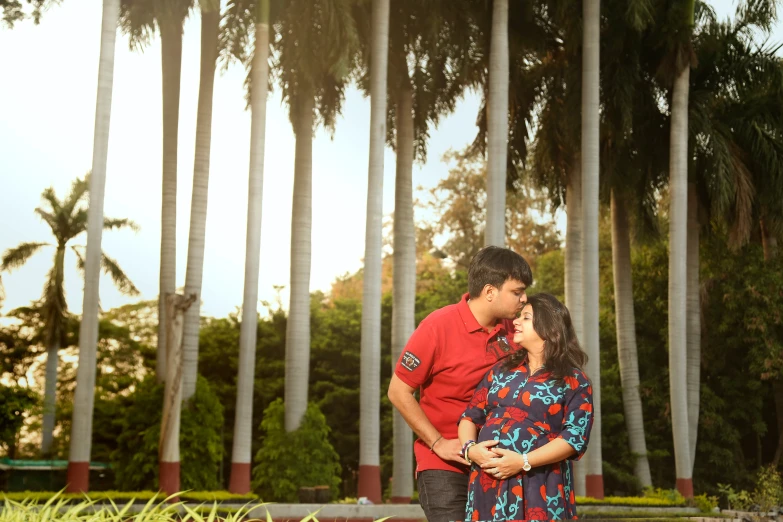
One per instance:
(118,276)
(49,218)
(14,258)
(117,223)
(48,196)
(79,259)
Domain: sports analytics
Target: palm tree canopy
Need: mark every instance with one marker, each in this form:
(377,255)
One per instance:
(140,18)
(67,219)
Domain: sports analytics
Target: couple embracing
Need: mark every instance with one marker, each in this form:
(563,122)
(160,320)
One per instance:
(504,405)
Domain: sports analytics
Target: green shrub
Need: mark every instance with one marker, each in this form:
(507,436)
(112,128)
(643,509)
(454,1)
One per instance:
(672,495)
(735,500)
(630,501)
(136,459)
(302,458)
(769,489)
(704,503)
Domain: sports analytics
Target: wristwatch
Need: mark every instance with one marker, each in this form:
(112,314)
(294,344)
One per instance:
(526,466)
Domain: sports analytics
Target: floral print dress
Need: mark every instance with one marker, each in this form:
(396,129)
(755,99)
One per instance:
(524,413)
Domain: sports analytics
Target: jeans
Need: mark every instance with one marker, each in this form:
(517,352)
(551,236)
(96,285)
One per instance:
(443,495)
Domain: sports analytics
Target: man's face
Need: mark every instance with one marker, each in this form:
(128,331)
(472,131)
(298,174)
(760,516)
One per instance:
(509,299)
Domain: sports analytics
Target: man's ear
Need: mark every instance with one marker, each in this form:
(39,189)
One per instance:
(489,292)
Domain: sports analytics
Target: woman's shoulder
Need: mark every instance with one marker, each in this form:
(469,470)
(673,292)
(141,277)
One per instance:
(577,379)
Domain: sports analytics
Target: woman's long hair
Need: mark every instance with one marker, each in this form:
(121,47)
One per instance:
(552,323)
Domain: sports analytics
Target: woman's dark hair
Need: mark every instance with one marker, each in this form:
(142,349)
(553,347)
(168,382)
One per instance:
(494,266)
(552,323)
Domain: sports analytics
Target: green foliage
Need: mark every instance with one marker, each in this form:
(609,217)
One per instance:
(735,500)
(187,496)
(15,402)
(136,457)
(669,495)
(706,504)
(288,461)
(769,489)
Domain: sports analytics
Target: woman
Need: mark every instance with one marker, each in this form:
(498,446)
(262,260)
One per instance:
(534,410)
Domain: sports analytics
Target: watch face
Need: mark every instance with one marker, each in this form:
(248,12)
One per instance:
(526,467)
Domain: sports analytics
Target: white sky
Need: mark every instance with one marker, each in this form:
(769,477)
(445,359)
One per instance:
(48,79)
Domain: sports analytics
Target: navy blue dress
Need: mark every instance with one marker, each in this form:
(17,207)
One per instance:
(524,413)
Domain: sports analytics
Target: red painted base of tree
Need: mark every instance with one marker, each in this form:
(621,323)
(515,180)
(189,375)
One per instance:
(370,483)
(169,477)
(240,478)
(594,486)
(685,487)
(78,477)
(401,500)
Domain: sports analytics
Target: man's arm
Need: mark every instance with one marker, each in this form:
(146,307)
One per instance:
(401,396)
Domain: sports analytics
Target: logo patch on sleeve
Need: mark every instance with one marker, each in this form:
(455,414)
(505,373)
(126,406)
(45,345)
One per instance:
(410,362)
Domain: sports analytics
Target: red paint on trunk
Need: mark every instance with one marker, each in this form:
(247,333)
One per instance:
(685,487)
(370,483)
(168,474)
(240,478)
(78,477)
(594,486)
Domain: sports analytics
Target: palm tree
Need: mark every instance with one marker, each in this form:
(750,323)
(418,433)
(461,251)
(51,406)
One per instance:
(81,427)
(241,453)
(370,385)
(138,19)
(67,219)
(497,126)
(210,22)
(316,55)
(594,485)
(678,252)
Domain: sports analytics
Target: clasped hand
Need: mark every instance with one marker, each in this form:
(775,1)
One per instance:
(496,462)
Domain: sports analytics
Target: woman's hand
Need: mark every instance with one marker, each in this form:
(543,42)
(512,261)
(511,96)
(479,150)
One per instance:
(482,453)
(506,464)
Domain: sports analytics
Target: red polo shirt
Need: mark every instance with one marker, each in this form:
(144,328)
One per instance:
(446,357)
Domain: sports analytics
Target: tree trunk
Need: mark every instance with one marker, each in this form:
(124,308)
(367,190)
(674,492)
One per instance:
(171,64)
(297,342)
(678,254)
(210,22)
(626,339)
(168,455)
(594,483)
(404,289)
(768,242)
(84,396)
(573,278)
(370,374)
(241,454)
(693,327)
(50,398)
(497,126)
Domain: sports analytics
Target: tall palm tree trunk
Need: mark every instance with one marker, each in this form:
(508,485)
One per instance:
(50,397)
(171,65)
(404,289)
(370,378)
(81,427)
(594,482)
(693,322)
(297,341)
(573,278)
(54,318)
(678,251)
(497,126)
(241,454)
(168,456)
(210,21)
(626,339)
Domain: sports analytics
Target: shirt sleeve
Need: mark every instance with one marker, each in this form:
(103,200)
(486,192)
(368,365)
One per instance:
(414,367)
(578,413)
(478,407)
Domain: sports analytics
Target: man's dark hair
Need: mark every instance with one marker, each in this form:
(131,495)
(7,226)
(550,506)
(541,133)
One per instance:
(494,266)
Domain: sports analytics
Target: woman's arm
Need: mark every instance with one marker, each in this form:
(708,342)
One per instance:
(480,453)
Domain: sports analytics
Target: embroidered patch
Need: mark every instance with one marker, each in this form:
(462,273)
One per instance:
(410,362)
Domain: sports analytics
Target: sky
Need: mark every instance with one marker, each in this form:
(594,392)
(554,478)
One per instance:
(48,81)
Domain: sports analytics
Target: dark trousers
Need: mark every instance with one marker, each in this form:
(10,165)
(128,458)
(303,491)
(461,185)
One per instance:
(443,495)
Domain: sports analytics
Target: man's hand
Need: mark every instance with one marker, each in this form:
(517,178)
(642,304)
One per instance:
(506,464)
(449,449)
(481,452)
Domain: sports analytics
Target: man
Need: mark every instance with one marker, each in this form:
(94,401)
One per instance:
(445,358)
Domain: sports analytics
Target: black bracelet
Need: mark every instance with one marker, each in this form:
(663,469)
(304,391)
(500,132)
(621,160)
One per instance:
(432,448)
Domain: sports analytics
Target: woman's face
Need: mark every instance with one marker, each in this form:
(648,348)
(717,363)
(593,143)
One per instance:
(524,334)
